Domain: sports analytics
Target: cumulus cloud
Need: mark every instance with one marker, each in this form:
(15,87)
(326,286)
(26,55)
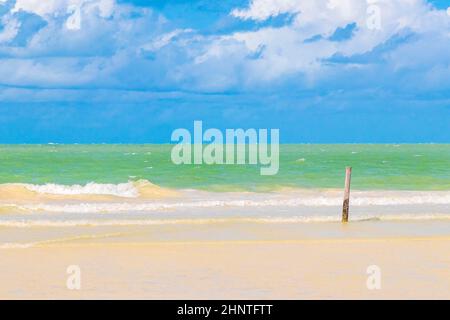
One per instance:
(84,43)
(106,44)
(263,9)
(10,29)
(164,40)
(54,8)
(314,40)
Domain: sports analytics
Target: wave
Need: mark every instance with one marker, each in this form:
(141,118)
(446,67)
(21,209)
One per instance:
(195,221)
(116,207)
(143,196)
(126,190)
(91,190)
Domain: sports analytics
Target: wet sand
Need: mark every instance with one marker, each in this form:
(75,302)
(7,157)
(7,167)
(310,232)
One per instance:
(411,268)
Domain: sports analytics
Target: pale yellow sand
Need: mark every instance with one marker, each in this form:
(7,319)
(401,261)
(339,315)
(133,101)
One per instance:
(327,268)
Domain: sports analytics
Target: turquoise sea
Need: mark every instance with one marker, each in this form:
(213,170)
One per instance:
(375,167)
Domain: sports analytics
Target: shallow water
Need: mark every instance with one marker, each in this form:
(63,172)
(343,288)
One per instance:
(109,187)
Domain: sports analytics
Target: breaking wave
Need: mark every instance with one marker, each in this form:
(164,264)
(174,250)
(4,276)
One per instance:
(197,221)
(308,201)
(130,189)
(126,190)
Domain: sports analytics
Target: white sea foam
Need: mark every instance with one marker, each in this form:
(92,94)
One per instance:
(127,190)
(135,189)
(308,201)
(194,221)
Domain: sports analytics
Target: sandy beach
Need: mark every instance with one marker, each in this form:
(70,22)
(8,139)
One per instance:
(412,267)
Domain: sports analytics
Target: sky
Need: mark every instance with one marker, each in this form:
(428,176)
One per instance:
(132,71)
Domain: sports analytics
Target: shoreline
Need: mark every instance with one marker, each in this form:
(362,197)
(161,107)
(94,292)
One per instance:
(227,231)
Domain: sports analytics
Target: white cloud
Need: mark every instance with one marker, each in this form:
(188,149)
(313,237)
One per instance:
(83,43)
(49,9)
(104,43)
(45,8)
(10,29)
(164,39)
(106,7)
(263,9)
(286,50)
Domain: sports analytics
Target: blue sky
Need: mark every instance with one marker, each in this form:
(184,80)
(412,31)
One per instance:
(325,71)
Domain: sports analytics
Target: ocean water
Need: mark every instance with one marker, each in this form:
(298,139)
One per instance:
(375,167)
(63,187)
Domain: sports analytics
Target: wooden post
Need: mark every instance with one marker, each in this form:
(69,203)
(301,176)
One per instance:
(346,204)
